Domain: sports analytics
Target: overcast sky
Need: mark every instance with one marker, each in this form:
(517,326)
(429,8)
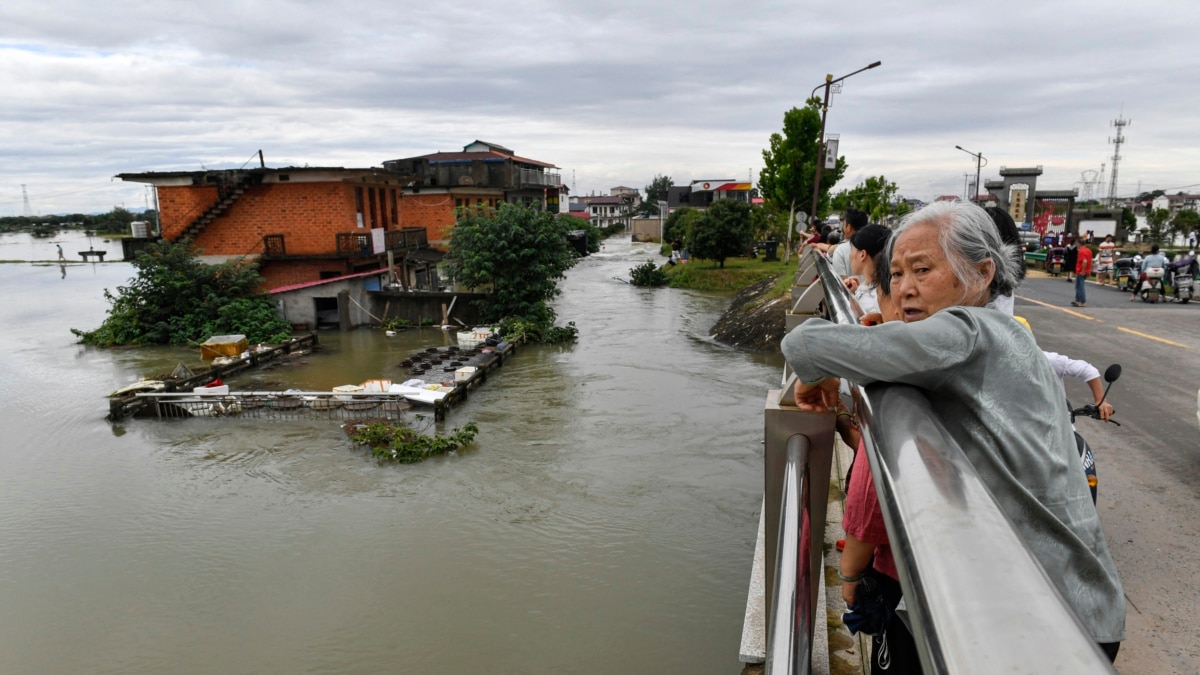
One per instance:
(612,92)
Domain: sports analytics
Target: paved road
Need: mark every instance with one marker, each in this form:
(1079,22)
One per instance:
(1149,467)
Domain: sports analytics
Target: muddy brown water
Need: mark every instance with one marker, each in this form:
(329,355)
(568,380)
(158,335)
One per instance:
(603,522)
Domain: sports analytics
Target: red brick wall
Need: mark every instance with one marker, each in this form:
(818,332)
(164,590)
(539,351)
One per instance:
(278,273)
(436,211)
(180,205)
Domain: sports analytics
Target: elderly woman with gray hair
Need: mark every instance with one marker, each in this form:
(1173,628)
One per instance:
(994,390)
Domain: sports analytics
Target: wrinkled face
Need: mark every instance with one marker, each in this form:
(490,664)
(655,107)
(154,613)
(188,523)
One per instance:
(923,282)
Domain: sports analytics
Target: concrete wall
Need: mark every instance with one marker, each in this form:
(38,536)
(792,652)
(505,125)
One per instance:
(414,306)
(358,306)
(646,229)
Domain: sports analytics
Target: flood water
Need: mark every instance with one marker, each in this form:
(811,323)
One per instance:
(603,522)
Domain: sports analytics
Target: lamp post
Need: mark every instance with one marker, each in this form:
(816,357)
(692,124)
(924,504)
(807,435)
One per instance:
(979,160)
(662,207)
(829,82)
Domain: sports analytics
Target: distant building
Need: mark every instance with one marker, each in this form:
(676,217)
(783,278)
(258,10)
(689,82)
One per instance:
(700,194)
(1176,203)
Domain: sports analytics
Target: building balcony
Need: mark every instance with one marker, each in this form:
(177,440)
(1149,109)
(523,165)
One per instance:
(539,178)
(352,244)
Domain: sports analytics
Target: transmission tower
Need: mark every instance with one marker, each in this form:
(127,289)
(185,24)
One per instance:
(28,208)
(1088,180)
(1120,123)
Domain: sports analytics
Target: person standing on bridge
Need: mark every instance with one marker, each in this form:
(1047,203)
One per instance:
(994,390)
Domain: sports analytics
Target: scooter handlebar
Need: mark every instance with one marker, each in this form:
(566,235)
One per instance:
(1090,410)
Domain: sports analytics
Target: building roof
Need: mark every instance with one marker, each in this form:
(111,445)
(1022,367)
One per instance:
(579,214)
(494,146)
(604,199)
(489,156)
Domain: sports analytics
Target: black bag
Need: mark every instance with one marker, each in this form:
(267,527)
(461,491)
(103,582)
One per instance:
(870,612)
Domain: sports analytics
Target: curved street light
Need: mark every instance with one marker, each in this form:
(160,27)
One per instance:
(979,161)
(829,81)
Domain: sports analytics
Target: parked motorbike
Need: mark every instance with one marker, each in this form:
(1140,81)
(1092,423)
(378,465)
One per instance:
(1181,275)
(1125,274)
(1056,260)
(1093,410)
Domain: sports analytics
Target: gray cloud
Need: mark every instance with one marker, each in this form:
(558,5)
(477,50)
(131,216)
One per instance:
(612,92)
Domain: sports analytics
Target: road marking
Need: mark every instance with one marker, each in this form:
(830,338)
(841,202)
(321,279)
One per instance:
(1061,309)
(1151,337)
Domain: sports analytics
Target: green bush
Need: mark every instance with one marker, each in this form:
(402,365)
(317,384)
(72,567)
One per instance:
(647,274)
(177,299)
(397,442)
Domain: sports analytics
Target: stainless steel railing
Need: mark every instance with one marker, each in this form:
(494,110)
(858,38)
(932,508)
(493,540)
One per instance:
(790,641)
(977,598)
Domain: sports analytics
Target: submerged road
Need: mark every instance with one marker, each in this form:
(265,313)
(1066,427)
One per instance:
(1149,467)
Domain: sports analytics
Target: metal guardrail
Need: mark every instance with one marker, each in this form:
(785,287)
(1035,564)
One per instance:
(977,598)
(790,641)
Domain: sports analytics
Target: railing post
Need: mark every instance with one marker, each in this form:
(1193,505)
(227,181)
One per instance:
(783,423)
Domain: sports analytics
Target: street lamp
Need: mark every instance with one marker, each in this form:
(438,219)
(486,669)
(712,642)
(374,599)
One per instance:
(979,161)
(829,81)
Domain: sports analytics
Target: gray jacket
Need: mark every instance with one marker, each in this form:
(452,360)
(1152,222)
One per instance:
(999,399)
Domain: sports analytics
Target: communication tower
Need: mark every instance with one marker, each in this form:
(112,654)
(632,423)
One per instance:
(28,208)
(1120,123)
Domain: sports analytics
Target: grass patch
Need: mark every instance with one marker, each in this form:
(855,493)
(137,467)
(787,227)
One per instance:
(738,273)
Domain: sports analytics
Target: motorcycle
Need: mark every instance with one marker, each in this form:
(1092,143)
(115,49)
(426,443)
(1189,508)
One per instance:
(1182,276)
(1093,410)
(1056,260)
(1125,274)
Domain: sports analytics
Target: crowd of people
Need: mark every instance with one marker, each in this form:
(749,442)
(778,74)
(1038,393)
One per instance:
(937,300)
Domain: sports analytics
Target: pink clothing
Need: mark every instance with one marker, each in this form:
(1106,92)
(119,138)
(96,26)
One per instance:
(864,519)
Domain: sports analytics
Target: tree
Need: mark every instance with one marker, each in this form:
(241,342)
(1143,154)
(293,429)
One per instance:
(1185,222)
(768,222)
(679,224)
(520,253)
(874,196)
(1157,220)
(177,299)
(722,232)
(656,191)
(790,164)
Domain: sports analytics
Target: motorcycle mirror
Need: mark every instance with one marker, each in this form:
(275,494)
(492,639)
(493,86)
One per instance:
(1113,372)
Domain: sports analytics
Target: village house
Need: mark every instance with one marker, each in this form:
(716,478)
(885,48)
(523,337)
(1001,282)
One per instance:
(482,176)
(306,224)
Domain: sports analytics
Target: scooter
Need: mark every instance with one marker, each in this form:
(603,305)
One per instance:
(1150,285)
(1093,410)
(1124,274)
(1056,261)
(1182,274)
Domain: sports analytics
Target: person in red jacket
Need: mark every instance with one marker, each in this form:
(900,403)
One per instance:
(1083,267)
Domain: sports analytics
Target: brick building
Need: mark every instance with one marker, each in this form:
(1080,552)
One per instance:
(302,224)
(483,175)
(310,223)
